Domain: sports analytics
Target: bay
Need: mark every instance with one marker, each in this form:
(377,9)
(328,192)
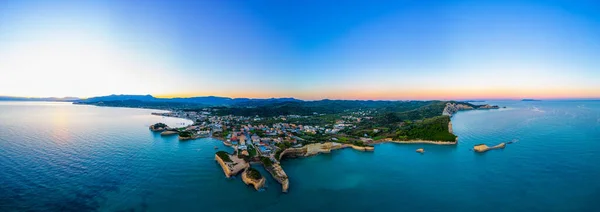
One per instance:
(64,157)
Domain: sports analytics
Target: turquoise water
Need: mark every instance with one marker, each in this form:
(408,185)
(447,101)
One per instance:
(62,157)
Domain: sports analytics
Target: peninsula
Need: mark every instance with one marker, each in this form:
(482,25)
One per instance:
(267,133)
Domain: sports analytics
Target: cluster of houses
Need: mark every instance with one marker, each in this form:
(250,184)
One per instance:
(247,136)
(243,140)
(262,138)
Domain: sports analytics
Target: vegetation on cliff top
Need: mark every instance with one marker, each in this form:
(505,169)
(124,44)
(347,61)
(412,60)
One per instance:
(278,153)
(266,161)
(433,128)
(251,151)
(323,107)
(186,134)
(282,146)
(224,156)
(253,173)
(397,120)
(160,124)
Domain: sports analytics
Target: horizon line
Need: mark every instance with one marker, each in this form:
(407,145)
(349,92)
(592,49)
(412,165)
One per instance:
(317,99)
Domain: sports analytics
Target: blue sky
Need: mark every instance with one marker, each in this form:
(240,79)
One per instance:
(303,49)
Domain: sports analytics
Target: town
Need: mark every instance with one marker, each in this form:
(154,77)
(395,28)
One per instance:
(267,139)
(253,137)
(260,140)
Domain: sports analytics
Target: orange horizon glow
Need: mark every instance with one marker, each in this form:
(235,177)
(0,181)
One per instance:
(432,94)
(378,94)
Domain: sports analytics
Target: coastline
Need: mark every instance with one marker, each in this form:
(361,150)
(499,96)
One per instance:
(422,142)
(320,148)
(232,168)
(225,168)
(279,175)
(237,164)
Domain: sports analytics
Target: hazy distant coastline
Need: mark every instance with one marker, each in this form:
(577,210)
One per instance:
(48,99)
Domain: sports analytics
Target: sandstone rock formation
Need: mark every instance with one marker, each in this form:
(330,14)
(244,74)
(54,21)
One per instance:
(232,168)
(452,108)
(280,176)
(256,183)
(363,148)
(157,127)
(485,148)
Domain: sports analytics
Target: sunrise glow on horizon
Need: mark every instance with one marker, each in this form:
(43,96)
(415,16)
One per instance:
(393,50)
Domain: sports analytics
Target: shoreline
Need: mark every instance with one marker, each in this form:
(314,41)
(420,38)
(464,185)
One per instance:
(168,111)
(322,148)
(238,165)
(232,168)
(421,142)
(256,183)
(279,175)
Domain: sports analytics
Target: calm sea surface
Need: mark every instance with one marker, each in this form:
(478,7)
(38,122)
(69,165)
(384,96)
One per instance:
(63,157)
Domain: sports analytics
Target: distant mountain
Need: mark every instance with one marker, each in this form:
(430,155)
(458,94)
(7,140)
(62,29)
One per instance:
(530,100)
(245,102)
(118,98)
(202,100)
(52,99)
(208,100)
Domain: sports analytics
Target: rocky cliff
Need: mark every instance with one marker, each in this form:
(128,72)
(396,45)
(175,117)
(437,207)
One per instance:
(232,168)
(305,151)
(318,148)
(486,106)
(256,183)
(292,152)
(156,128)
(280,176)
(427,142)
(451,107)
(363,148)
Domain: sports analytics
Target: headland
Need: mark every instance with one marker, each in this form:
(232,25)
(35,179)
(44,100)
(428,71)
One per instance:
(268,134)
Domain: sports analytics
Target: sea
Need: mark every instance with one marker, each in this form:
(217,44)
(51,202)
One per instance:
(62,157)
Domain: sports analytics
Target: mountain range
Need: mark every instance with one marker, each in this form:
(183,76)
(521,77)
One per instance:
(201,100)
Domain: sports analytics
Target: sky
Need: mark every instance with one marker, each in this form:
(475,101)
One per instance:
(355,49)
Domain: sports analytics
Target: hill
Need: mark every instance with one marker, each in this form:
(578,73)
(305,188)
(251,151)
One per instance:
(149,101)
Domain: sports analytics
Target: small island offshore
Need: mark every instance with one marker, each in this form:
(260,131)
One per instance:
(267,131)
